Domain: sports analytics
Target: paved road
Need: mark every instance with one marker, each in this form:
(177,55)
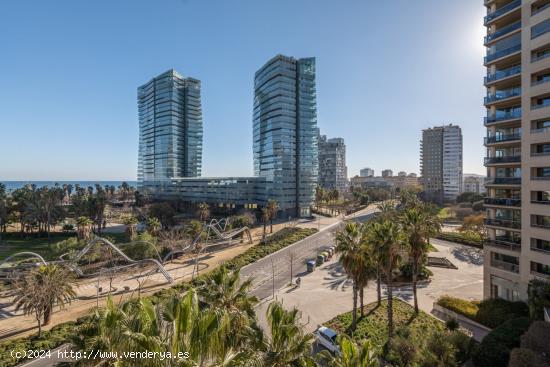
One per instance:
(279,262)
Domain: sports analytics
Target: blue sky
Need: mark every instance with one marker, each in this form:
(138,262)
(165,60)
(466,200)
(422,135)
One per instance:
(385,70)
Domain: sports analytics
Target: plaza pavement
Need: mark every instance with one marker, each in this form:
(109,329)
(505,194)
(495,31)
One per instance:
(327,292)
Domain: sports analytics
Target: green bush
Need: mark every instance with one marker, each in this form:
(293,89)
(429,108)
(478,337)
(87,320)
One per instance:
(495,348)
(521,357)
(406,271)
(489,312)
(464,238)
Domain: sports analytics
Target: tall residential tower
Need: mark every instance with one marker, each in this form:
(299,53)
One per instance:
(170,129)
(333,172)
(441,162)
(285,131)
(518,146)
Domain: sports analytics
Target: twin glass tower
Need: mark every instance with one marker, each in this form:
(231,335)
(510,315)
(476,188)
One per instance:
(285,145)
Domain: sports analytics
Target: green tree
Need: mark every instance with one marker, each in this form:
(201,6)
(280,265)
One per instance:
(83,230)
(419,225)
(272,209)
(203,212)
(153,225)
(348,245)
(131,226)
(43,288)
(388,241)
(350,355)
(288,344)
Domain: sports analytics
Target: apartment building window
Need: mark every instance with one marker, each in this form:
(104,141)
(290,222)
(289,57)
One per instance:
(542,173)
(540,245)
(505,262)
(539,6)
(542,221)
(540,102)
(540,29)
(540,268)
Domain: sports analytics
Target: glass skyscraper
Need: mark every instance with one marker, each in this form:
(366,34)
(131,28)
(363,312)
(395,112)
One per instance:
(170,130)
(285,131)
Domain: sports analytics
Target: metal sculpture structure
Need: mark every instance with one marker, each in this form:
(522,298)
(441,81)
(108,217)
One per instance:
(213,234)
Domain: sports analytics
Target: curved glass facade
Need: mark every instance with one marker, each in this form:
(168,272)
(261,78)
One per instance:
(170,129)
(285,131)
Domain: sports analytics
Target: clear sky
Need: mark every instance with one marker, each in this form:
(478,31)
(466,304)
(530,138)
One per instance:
(385,70)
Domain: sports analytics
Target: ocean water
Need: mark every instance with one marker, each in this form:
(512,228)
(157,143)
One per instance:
(13,185)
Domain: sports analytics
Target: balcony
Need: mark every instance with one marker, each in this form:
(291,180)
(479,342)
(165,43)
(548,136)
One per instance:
(502,74)
(539,154)
(503,265)
(505,159)
(502,32)
(502,201)
(500,95)
(502,10)
(504,245)
(544,202)
(538,10)
(499,54)
(502,138)
(504,181)
(505,223)
(540,29)
(512,114)
(541,130)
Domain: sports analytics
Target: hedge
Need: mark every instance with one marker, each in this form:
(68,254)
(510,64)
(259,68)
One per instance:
(460,238)
(489,312)
(60,334)
(494,350)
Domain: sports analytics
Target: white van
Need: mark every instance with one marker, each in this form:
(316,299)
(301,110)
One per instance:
(326,337)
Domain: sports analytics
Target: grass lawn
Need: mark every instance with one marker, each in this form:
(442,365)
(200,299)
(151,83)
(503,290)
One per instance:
(374,325)
(15,242)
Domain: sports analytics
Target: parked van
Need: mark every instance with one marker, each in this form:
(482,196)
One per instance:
(310,266)
(320,260)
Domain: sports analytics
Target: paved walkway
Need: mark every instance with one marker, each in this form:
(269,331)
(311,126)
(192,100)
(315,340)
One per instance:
(327,292)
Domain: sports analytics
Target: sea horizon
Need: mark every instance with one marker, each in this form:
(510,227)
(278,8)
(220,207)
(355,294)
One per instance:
(14,185)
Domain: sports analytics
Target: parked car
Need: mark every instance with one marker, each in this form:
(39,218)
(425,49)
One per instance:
(326,255)
(320,259)
(326,337)
(310,266)
(330,251)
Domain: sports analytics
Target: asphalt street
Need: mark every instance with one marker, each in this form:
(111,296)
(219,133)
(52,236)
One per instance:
(272,272)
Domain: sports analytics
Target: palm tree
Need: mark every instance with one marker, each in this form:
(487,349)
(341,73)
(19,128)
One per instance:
(366,266)
(153,225)
(288,345)
(350,355)
(83,228)
(203,212)
(419,225)
(39,291)
(131,226)
(388,239)
(348,244)
(272,209)
(319,196)
(265,218)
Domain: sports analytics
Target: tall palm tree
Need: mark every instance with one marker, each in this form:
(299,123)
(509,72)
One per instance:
(366,266)
(43,287)
(348,244)
(419,225)
(272,209)
(289,344)
(350,355)
(388,239)
(83,228)
(203,212)
(265,218)
(131,226)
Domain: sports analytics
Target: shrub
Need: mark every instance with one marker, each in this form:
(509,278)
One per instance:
(406,271)
(495,348)
(489,312)
(452,324)
(494,312)
(537,338)
(466,238)
(520,357)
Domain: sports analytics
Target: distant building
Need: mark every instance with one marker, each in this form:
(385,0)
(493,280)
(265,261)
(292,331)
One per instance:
(285,145)
(170,130)
(441,162)
(387,173)
(474,183)
(390,182)
(333,173)
(412,175)
(366,172)
(401,174)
